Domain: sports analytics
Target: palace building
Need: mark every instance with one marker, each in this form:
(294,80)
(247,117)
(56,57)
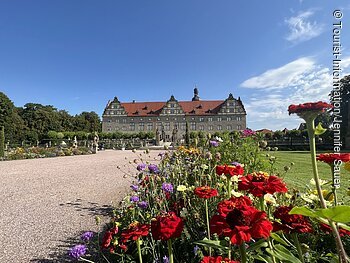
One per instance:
(169,119)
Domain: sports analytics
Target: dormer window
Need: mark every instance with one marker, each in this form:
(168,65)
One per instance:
(199,106)
(136,112)
(193,111)
(145,108)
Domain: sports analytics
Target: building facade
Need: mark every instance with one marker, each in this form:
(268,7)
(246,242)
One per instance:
(168,119)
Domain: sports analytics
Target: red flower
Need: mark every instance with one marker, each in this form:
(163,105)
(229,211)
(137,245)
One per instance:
(205,192)
(230,170)
(224,207)
(218,259)
(134,232)
(167,226)
(327,229)
(241,224)
(259,184)
(108,237)
(331,157)
(309,106)
(290,223)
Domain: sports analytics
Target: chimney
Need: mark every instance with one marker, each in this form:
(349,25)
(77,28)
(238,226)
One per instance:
(133,101)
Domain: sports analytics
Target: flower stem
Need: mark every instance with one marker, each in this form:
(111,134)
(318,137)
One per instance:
(228,181)
(170,252)
(139,249)
(310,124)
(86,260)
(261,202)
(243,253)
(298,246)
(208,226)
(333,187)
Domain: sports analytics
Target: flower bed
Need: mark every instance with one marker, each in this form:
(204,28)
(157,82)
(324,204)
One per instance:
(224,202)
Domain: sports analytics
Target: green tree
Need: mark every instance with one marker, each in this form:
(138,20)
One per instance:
(9,118)
(2,142)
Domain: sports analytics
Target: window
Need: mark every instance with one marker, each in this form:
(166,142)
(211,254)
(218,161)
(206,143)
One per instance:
(132,126)
(150,126)
(229,119)
(109,120)
(183,126)
(201,119)
(210,119)
(117,128)
(219,118)
(238,118)
(167,126)
(229,127)
(117,120)
(239,127)
(172,105)
(124,120)
(219,127)
(193,125)
(231,104)
(141,126)
(210,127)
(201,127)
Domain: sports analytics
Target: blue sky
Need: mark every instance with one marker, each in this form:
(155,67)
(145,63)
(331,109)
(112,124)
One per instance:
(76,55)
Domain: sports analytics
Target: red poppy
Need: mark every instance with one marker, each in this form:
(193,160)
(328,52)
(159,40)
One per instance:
(108,237)
(259,184)
(230,170)
(205,192)
(225,206)
(327,229)
(309,107)
(290,223)
(218,259)
(167,226)
(241,224)
(134,232)
(331,157)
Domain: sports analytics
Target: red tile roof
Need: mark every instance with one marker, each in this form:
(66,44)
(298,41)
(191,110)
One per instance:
(202,107)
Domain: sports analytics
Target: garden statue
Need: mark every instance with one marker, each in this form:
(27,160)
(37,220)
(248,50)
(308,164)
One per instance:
(95,143)
(75,142)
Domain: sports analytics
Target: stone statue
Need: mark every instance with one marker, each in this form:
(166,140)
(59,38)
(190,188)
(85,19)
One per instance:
(95,143)
(75,142)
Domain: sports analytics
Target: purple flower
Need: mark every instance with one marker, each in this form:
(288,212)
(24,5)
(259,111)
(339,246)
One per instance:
(77,251)
(195,250)
(143,204)
(167,187)
(161,154)
(134,199)
(87,236)
(214,143)
(153,168)
(134,187)
(236,164)
(165,259)
(248,132)
(141,167)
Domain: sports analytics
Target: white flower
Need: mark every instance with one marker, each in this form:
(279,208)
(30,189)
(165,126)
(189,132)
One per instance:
(218,139)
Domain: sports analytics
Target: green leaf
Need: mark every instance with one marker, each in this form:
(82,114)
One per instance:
(283,254)
(303,211)
(339,213)
(216,244)
(263,258)
(279,239)
(255,246)
(319,129)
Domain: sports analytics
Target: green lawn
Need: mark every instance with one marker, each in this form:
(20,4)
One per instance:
(301,172)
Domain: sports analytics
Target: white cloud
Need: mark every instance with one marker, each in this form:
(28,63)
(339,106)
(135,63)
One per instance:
(345,63)
(268,109)
(301,29)
(281,77)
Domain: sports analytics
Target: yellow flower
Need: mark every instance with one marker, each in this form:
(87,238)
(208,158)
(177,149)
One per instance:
(181,188)
(347,166)
(269,199)
(326,195)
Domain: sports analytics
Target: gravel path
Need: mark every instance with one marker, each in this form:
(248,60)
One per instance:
(47,203)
